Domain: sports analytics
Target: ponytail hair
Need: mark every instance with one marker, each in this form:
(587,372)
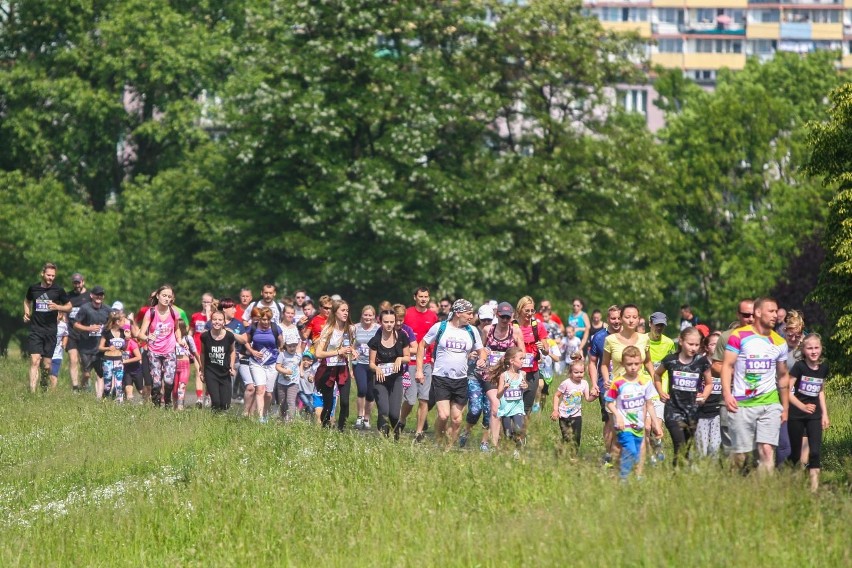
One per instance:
(503,365)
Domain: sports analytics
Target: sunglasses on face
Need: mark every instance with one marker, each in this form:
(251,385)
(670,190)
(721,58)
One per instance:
(505,317)
(747,315)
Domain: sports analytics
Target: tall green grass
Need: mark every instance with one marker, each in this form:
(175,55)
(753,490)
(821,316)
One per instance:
(84,483)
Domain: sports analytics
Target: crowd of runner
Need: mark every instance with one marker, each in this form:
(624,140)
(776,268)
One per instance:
(753,392)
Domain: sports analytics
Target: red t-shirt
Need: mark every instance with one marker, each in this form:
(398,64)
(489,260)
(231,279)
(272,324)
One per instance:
(529,344)
(420,322)
(553,317)
(316,325)
(197,325)
(239,312)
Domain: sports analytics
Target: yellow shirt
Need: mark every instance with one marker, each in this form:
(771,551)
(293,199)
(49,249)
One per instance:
(615,347)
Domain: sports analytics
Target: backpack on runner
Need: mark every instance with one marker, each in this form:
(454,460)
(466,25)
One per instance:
(443,327)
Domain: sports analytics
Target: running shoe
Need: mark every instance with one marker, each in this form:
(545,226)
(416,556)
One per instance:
(419,437)
(536,407)
(484,447)
(366,424)
(359,423)
(262,420)
(463,439)
(199,403)
(207,402)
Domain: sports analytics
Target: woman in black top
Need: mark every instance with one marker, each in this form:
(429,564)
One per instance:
(389,354)
(218,361)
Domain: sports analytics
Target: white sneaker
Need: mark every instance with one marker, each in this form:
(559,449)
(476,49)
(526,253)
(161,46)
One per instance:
(366,425)
(359,424)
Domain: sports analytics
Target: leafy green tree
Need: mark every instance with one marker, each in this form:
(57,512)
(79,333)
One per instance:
(41,223)
(743,205)
(831,158)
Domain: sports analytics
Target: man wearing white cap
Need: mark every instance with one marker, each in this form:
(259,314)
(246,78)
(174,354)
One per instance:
(454,340)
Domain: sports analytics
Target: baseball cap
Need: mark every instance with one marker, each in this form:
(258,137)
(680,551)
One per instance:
(308,355)
(486,313)
(505,309)
(703,329)
(116,305)
(658,317)
(98,291)
(77,277)
(461,306)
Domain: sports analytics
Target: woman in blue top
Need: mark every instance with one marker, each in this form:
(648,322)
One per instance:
(265,340)
(580,320)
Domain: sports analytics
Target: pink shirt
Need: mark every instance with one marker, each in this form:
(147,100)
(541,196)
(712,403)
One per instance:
(161,333)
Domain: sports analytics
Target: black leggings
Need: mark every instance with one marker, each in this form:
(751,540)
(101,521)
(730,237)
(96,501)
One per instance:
(327,393)
(532,388)
(219,390)
(812,428)
(571,428)
(681,434)
(388,397)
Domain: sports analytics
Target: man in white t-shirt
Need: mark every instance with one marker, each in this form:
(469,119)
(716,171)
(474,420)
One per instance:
(454,340)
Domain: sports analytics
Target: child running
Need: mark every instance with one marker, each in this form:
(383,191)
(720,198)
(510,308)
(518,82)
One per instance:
(628,399)
(568,403)
(686,370)
(708,433)
(288,363)
(808,412)
(511,383)
(112,345)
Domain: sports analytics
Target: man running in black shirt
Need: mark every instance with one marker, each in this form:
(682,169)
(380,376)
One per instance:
(41,304)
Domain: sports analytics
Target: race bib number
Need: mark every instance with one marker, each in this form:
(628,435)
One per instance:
(386,368)
(495,357)
(529,359)
(73,314)
(263,355)
(42,305)
(455,345)
(633,403)
(364,350)
(758,366)
(513,394)
(97,332)
(810,386)
(334,361)
(717,386)
(117,343)
(684,381)
(200,326)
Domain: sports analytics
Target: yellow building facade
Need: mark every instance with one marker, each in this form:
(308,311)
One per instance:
(702,36)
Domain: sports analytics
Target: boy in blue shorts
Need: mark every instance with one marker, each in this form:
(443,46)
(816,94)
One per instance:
(627,400)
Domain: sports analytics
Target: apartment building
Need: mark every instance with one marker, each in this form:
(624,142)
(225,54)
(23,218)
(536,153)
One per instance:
(702,36)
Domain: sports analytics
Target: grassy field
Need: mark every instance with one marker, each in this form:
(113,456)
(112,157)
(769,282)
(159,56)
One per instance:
(84,483)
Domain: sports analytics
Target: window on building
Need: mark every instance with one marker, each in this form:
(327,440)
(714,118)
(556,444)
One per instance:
(765,16)
(670,15)
(705,15)
(670,45)
(634,100)
(764,46)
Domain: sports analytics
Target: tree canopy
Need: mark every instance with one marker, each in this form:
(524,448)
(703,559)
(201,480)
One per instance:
(368,147)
